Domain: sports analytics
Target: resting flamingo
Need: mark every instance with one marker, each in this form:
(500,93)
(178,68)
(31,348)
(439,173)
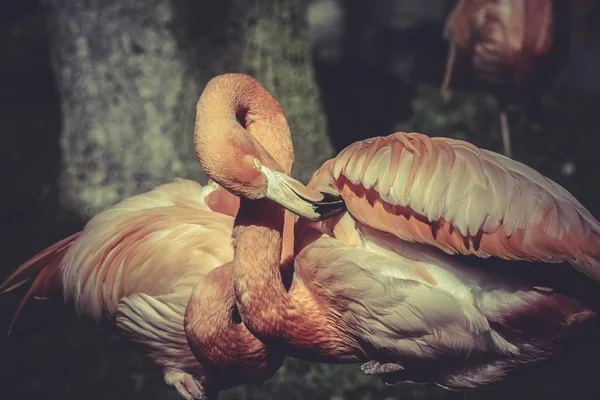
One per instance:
(135,264)
(377,284)
(140,263)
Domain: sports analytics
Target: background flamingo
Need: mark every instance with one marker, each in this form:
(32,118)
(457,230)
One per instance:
(377,284)
(510,45)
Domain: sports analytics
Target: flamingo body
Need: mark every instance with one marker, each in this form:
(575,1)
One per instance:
(435,319)
(385,268)
(377,283)
(136,265)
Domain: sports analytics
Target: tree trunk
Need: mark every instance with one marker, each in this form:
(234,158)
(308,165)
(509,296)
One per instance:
(129,75)
(276,50)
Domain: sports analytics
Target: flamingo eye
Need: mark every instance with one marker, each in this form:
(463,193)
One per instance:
(257,164)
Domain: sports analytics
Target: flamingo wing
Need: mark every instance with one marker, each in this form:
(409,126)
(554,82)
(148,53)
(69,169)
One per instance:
(452,195)
(389,308)
(136,264)
(155,323)
(156,243)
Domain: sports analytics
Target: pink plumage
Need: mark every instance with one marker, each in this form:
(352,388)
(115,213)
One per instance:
(452,195)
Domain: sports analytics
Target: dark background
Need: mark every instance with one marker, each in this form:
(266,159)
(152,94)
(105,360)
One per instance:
(377,66)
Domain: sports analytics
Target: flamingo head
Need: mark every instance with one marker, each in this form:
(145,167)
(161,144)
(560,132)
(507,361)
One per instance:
(303,201)
(247,157)
(242,166)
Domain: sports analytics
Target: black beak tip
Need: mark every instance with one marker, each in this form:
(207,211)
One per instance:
(330,206)
(331,198)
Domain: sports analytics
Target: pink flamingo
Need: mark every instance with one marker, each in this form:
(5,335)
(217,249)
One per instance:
(157,265)
(508,43)
(135,265)
(377,284)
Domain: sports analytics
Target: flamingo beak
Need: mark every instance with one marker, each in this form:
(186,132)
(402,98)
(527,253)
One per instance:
(305,202)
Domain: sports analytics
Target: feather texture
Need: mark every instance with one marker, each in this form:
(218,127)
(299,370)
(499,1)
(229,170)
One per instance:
(461,199)
(391,308)
(435,318)
(384,278)
(156,243)
(135,265)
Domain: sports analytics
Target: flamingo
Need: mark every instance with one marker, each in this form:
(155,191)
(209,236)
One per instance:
(136,265)
(377,284)
(158,265)
(509,42)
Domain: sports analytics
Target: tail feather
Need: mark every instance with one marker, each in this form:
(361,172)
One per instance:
(44,266)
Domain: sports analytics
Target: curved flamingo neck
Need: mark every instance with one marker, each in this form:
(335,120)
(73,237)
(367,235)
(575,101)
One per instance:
(262,298)
(232,97)
(226,154)
(292,319)
(258,244)
(218,338)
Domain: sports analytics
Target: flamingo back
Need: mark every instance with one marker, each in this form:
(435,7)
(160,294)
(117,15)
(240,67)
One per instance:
(156,243)
(452,195)
(136,264)
(413,305)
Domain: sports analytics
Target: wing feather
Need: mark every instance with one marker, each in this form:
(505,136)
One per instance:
(388,306)
(156,324)
(153,243)
(462,199)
